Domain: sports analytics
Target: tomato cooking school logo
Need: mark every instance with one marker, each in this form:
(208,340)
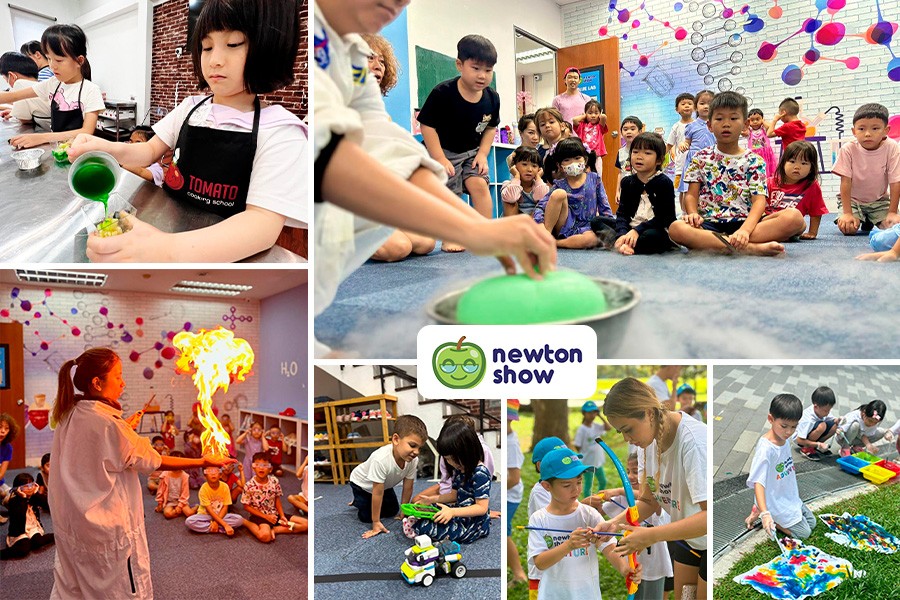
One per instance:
(482,361)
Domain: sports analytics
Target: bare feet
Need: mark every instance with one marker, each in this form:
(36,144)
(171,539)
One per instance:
(625,250)
(451,247)
(764,249)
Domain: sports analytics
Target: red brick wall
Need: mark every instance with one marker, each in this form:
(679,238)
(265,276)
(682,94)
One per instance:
(170,21)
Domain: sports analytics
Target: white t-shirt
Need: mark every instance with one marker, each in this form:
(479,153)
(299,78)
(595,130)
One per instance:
(676,136)
(577,575)
(514,460)
(655,560)
(896,428)
(807,421)
(280,177)
(381,467)
(660,387)
(855,416)
(31,109)
(682,473)
(773,467)
(67,96)
(538,499)
(584,441)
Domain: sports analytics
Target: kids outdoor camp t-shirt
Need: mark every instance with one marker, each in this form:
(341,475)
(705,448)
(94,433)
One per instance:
(773,468)
(577,575)
(514,460)
(807,422)
(679,479)
(458,122)
(584,440)
(854,416)
(872,171)
(804,196)
(538,498)
(382,468)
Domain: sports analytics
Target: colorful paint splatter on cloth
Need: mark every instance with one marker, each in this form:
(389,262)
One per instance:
(860,533)
(798,572)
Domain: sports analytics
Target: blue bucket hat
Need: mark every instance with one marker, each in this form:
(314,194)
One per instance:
(562,464)
(589,406)
(544,446)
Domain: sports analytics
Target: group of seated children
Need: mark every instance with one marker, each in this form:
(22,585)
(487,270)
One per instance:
(772,475)
(221,488)
(462,496)
(733,195)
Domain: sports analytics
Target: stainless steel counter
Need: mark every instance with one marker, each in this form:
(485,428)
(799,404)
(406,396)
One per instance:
(41,219)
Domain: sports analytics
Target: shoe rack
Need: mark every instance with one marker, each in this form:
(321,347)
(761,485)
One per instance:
(343,427)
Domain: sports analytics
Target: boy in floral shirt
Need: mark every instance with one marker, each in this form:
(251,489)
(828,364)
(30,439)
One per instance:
(262,499)
(726,196)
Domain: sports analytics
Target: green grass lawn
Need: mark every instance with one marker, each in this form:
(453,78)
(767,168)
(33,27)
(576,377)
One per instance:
(611,582)
(882,580)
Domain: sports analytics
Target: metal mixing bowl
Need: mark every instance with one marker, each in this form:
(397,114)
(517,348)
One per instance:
(610,325)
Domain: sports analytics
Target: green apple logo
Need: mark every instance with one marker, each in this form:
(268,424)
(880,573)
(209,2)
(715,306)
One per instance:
(458,366)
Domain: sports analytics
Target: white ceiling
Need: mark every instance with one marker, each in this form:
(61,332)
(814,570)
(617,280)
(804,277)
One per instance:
(265,282)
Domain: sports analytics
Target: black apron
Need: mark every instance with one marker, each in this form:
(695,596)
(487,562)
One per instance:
(66,120)
(214,166)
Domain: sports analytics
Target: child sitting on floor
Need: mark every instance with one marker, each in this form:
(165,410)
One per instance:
(445,485)
(859,429)
(9,429)
(726,195)
(25,533)
(275,441)
(772,477)
(816,426)
(235,482)
(522,193)
(373,481)
(212,515)
(153,479)
(172,498)
(262,499)
(193,449)
(463,516)
(796,185)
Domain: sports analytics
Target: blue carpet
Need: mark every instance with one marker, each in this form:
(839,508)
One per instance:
(185,564)
(814,302)
(341,551)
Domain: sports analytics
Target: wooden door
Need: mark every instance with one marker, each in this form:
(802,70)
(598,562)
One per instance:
(603,53)
(12,389)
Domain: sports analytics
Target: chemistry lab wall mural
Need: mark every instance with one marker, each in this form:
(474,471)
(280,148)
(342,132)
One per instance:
(832,55)
(59,324)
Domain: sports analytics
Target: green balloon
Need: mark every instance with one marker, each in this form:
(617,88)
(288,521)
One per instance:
(520,300)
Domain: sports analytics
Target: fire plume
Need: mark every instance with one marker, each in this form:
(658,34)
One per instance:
(217,358)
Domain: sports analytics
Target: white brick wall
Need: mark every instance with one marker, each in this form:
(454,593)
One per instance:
(825,84)
(160,314)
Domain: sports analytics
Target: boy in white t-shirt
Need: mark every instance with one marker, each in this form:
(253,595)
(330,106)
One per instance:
(594,456)
(684,106)
(772,476)
(514,488)
(569,560)
(538,499)
(373,481)
(816,425)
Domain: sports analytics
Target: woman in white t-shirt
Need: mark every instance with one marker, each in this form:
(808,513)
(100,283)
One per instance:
(672,467)
(75,101)
(233,155)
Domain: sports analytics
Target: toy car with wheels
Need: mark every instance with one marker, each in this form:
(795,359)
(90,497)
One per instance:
(425,560)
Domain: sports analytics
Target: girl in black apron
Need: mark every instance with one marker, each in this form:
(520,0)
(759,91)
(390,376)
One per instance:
(66,47)
(211,167)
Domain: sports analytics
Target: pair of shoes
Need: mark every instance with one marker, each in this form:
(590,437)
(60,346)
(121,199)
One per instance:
(374,414)
(810,452)
(353,435)
(845,452)
(408,529)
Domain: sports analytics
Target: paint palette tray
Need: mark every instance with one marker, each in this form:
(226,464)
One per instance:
(890,466)
(876,474)
(851,464)
(869,458)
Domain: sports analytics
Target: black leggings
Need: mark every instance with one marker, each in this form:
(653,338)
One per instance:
(26,545)
(653,241)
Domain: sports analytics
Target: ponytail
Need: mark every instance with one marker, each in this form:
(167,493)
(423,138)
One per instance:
(94,362)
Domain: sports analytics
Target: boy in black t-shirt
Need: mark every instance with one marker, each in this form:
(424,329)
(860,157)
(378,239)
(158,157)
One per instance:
(458,122)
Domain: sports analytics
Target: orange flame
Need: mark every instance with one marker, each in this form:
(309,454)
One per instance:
(217,359)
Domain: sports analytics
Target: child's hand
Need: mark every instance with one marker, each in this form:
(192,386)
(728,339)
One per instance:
(213,527)
(821,446)
(636,541)
(520,237)
(444,515)
(605,526)
(581,538)
(871,449)
(739,239)
(848,224)
(143,243)
(428,499)
(514,172)
(159,507)
(480,164)
(377,527)
(540,173)
(229,530)
(630,238)
(889,436)
(683,146)
(890,220)
(240,467)
(886,256)
(84,142)
(767,522)
(27,140)
(692,219)
(448,167)
(634,575)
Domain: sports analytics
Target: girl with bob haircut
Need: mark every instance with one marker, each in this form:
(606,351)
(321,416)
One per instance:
(97,504)
(672,472)
(234,156)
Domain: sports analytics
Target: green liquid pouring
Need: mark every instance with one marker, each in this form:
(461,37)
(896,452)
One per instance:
(94,181)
